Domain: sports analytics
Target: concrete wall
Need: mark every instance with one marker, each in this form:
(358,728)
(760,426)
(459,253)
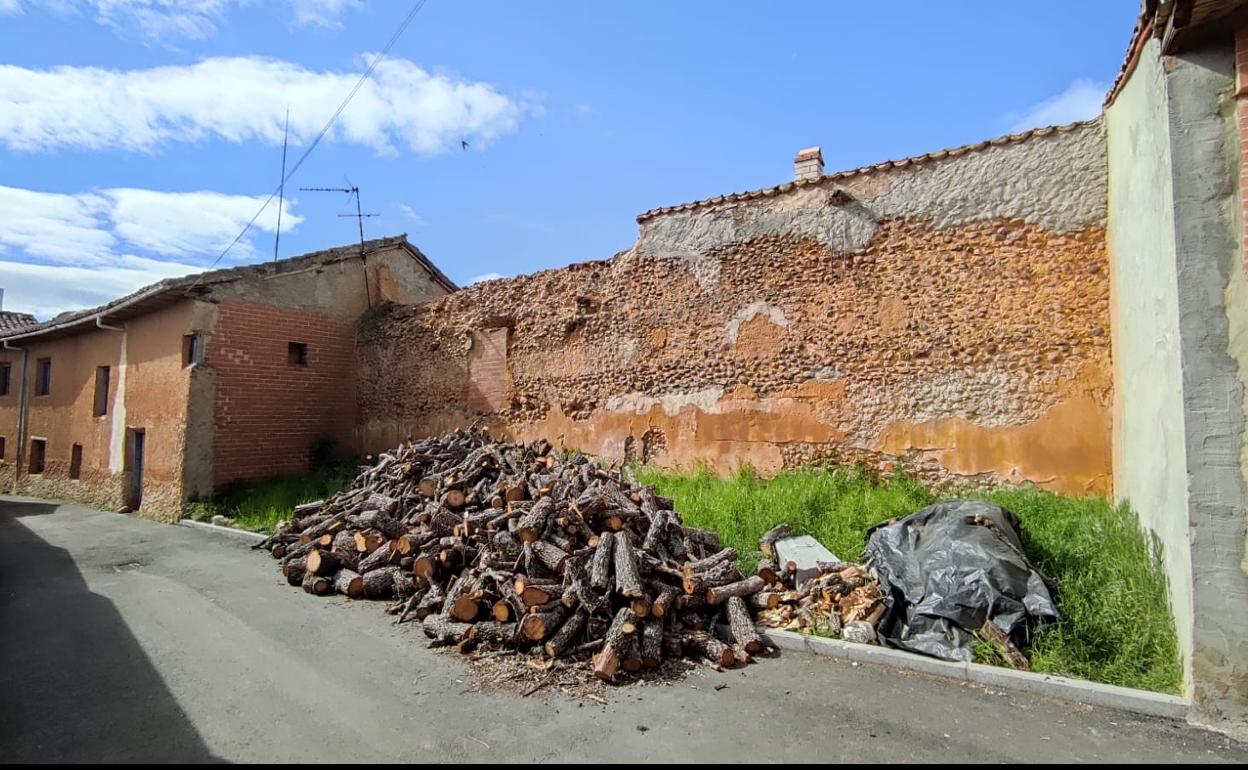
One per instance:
(1200,86)
(1181,351)
(950,313)
(1150,470)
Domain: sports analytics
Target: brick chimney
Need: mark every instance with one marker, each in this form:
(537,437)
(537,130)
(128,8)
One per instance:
(808,165)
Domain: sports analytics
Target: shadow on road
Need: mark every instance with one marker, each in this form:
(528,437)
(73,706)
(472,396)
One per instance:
(75,685)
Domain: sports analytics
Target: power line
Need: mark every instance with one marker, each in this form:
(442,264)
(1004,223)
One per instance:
(398,32)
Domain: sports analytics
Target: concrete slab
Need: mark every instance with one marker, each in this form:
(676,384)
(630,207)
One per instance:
(805,552)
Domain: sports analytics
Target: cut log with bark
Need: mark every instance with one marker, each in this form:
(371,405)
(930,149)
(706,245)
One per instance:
(741,625)
(615,644)
(349,583)
(517,547)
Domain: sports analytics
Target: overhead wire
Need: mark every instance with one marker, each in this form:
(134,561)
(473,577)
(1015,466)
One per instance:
(368,73)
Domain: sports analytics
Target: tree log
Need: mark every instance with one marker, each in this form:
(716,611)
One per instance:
(566,634)
(742,626)
(607,661)
(600,565)
(747,587)
(627,577)
(349,583)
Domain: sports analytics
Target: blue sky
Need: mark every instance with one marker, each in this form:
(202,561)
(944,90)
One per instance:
(138,136)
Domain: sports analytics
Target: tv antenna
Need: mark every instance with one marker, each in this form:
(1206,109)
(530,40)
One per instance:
(354,192)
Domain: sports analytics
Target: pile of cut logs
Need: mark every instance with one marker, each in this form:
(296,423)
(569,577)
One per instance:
(496,545)
(842,600)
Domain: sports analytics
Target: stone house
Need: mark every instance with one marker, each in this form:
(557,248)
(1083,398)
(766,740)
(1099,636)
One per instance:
(191,384)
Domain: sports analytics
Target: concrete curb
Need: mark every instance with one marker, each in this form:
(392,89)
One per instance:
(1079,691)
(241,534)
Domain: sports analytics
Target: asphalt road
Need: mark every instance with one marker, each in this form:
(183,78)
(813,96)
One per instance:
(124,640)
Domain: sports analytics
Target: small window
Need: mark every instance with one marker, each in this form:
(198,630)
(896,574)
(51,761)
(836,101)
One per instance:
(1,447)
(297,353)
(75,462)
(192,349)
(43,377)
(101,391)
(38,449)
(6,375)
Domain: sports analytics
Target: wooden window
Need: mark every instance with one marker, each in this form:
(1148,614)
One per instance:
(297,353)
(101,391)
(75,462)
(192,349)
(43,377)
(38,449)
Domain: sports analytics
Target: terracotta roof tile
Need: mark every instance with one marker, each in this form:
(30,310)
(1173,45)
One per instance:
(10,321)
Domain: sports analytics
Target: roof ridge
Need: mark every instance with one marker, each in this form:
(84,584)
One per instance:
(952,152)
(187,283)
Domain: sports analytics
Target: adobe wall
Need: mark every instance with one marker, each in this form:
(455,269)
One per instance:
(147,390)
(951,313)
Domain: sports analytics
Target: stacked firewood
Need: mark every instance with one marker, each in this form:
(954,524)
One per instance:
(842,600)
(496,545)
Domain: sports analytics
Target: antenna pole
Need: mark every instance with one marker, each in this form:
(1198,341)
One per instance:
(359,217)
(281,189)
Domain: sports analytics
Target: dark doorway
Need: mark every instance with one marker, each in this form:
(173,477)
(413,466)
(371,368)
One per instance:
(135,440)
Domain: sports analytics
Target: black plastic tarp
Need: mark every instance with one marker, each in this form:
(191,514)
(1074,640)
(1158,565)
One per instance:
(948,568)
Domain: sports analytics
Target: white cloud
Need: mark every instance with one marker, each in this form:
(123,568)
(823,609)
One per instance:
(485,277)
(55,226)
(1080,101)
(193,223)
(46,290)
(321,13)
(238,99)
(90,228)
(88,238)
(411,214)
(191,19)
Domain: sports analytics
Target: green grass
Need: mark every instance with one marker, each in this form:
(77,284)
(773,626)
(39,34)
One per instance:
(260,505)
(1116,626)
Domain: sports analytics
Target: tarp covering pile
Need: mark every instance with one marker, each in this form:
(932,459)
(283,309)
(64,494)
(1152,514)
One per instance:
(950,569)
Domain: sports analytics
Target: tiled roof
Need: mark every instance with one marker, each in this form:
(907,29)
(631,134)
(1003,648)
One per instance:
(769,192)
(1177,26)
(1139,36)
(10,321)
(197,282)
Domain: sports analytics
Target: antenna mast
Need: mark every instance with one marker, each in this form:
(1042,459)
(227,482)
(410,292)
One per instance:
(281,188)
(360,216)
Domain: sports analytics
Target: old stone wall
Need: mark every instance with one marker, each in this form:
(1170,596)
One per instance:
(950,312)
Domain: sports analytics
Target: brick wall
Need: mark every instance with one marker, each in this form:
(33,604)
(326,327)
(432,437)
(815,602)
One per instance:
(268,412)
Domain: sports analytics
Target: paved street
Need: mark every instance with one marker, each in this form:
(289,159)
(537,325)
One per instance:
(125,640)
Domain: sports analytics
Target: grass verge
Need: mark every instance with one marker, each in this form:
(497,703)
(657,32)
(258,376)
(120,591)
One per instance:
(258,506)
(1116,626)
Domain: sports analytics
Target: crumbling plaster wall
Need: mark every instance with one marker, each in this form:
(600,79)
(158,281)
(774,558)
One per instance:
(952,314)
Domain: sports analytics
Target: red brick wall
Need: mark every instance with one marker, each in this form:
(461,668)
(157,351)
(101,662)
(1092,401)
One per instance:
(269,413)
(489,381)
